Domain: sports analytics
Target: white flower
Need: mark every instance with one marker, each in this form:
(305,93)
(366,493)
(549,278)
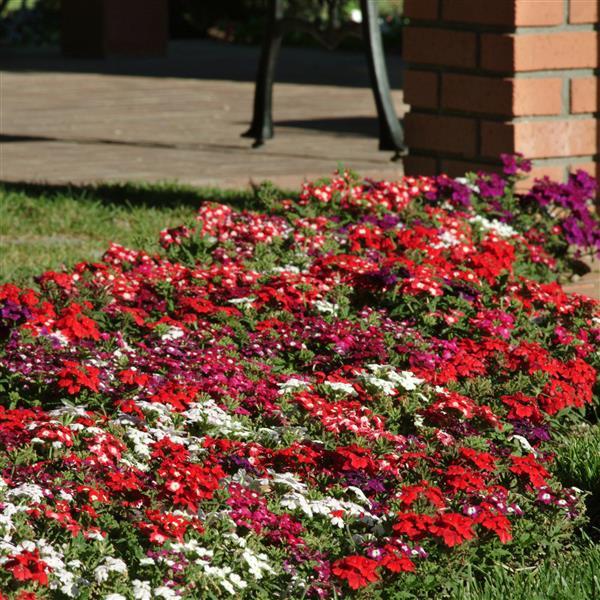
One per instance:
(165,592)
(326,308)
(406,379)
(286,269)
(210,413)
(242,301)
(141,590)
(28,490)
(288,479)
(468,183)
(387,379)
(446,239)
(237,581)
(294,501)
(419,421)
(101,573)
(292,384)
(499,228)
(257,563)
(59,337)
(340,386)
(115,597)
(227,586)
(387,387)
(524,443)
(141,442)
(110,565)
(359,494)
(173,333)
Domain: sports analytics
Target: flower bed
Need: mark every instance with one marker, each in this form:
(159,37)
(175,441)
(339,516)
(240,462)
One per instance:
(322,395)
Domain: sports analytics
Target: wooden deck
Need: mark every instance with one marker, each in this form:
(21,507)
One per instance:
(181,117)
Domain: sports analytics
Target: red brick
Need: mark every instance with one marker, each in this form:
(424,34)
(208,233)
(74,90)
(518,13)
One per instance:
(496,138)
(498,52)
(439,47)
(499,12)
(540,139)
(419,165)
(585,94)
(583,11)
(593,168)
(504,12)
(538,171)
(477,94)
(537,96)
(533,52)
(421,88)
(555,172)
(456,135)
(494,95)
(457,168)
(421,9)
(539,13)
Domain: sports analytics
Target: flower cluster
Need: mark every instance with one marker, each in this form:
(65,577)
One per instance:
(301,402)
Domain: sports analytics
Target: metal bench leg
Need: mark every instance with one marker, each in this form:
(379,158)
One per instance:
(262,119)
(391,136)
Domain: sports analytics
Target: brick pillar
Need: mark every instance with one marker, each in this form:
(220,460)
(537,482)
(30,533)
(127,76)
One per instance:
(490,76)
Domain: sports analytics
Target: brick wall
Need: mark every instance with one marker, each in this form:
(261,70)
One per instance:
(491,76)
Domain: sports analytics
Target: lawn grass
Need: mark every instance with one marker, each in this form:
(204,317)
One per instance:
(575,575)
(44,227)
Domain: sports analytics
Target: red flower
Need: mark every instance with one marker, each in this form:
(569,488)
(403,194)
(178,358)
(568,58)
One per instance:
(461,478)
(187,484)
(175,395)
(74,376)
(499,524)
(522,407)
(166,526)
(413,525)
(395,561)
(356,570)
(483,460)
(356,457)
(411,493)
(75,325)
(453,528)
(527,465)
(133,377)
(27,566)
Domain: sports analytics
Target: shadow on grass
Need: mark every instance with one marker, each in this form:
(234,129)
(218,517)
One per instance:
(151,195)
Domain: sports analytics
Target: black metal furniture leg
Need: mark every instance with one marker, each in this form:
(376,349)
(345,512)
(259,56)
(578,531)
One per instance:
(262,119)
(391,136)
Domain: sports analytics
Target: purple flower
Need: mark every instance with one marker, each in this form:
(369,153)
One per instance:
(513,163)
(491,185)
(447,188)
(580,226)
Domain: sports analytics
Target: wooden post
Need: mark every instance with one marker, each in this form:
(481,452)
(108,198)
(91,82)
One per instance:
(100,28)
